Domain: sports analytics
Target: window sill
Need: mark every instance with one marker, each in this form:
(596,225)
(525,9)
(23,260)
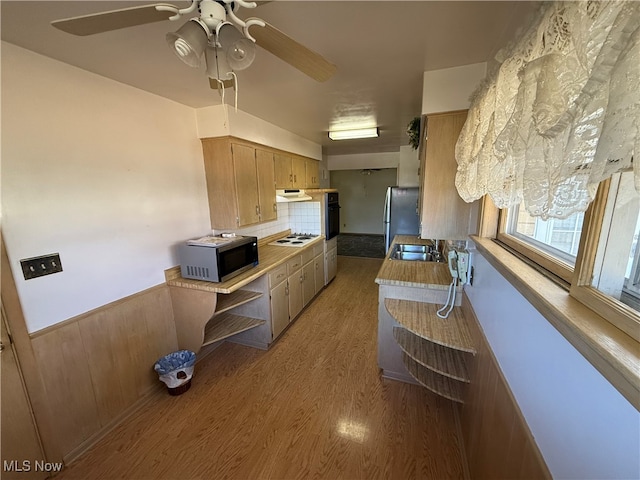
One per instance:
(612,352)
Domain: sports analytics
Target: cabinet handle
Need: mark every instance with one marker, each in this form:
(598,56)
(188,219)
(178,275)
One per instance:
(291,177)
(257,209)
(295,178)
(275,207)
(286,289)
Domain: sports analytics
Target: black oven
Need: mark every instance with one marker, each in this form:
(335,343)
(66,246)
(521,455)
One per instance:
(332,215)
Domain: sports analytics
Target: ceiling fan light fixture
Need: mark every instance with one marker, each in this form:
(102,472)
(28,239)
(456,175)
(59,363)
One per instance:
(217,65)
(355,133)
(239,50)
(189,42)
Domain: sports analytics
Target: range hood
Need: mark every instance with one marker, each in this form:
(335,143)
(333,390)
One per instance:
(291,195)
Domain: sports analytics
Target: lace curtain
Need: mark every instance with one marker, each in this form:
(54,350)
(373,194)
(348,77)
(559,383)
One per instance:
(559,113)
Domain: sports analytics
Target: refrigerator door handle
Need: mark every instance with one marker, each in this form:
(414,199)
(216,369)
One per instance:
(385,220)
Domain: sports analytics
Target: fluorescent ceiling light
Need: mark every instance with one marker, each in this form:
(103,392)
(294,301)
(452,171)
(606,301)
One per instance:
(348,134)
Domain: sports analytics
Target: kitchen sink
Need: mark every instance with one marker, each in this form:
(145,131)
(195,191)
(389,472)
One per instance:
(402,247)
(415,253)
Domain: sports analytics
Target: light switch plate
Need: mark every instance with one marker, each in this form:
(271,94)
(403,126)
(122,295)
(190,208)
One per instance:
(39,266)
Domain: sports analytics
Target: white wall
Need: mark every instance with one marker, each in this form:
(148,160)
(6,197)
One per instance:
(584,428)
(362,198)
(363,161)
(216,121)
(451,88)
(107,175)
(408,166)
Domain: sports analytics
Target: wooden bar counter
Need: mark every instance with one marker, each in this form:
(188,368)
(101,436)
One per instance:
(414,344)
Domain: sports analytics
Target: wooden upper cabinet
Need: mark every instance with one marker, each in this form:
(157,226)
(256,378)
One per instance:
(240,183)
(246,179)
(284,176)
(291,171)
(298,172)
(444,215)
(266,185)
(312,173)
(221,185)
(242,178)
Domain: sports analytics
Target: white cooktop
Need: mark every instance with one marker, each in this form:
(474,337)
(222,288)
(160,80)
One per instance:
(295,240)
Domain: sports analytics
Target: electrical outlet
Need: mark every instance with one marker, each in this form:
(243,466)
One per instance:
(39,266)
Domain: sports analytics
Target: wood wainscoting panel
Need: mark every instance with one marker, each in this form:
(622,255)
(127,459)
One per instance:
(67,381)
(99,365)
(497,439)
(122,345)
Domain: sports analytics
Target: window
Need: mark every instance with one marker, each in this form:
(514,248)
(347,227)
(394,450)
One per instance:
(557,237)
(593,254)
(552,244)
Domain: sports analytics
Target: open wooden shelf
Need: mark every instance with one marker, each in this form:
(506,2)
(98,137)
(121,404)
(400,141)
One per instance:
(420,318)
(225,325)
(227,301)
(442,360)
(439,384)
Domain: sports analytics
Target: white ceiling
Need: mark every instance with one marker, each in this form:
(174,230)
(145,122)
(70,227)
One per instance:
(381,49)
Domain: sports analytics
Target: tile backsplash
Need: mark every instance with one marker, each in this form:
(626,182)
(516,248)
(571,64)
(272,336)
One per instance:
(300,217)
(304,217)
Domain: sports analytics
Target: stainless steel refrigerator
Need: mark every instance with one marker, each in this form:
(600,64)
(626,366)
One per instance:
(400,213)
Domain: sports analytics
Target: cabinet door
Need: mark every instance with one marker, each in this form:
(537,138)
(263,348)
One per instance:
(295,294)
(312,173)
(298,171)
(444,214)
(308,283)
(266,185)
(246,177)
(221,185)
(279,308)
(20,441)
(318,265)
(284,177)
(332,264)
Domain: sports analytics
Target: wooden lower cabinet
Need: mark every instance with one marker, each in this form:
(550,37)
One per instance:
(295,294)
(257,314)
(279,308)
(308,282)
(331,264)
(318,267)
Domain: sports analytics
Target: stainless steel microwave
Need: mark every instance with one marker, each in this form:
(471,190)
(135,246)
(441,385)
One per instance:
(217,259)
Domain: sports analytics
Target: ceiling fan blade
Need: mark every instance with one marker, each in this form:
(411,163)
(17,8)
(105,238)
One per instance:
(292,52)
(112,20)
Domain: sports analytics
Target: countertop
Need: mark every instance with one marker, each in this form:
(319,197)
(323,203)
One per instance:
(432,275)
(269,257)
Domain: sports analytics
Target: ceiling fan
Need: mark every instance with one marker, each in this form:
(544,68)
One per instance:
(214,33)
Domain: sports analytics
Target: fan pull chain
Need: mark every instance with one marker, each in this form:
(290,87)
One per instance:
(224,105)
(235,82)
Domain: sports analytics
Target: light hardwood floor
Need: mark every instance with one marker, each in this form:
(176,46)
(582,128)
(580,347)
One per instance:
(314,406)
